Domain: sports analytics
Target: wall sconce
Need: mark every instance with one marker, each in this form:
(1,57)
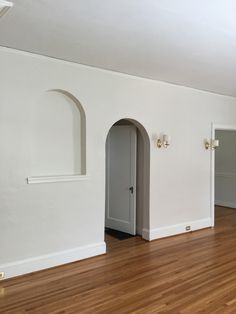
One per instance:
(212,144)
(163,141)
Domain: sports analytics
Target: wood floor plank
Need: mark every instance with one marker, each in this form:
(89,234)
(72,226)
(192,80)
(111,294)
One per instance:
(186,274)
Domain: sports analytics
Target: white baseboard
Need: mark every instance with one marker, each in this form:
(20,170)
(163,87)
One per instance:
(168,231)
(145,234)
(51,260)
(225,204)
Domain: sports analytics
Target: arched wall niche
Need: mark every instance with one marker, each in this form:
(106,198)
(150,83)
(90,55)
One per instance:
(143,176)
(58,146)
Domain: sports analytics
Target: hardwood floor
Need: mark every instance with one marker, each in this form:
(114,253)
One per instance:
(190,273)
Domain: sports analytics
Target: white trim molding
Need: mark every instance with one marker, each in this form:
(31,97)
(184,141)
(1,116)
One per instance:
(214,128)
(54,179)
(51,260)
(172,230)
(146,234)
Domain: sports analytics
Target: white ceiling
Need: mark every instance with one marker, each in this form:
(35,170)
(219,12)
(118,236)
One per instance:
(187,42)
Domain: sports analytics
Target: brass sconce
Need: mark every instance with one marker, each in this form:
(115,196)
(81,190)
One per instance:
(212,144)
(164,141)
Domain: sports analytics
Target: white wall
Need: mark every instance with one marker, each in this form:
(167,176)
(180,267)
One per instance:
(47,224)
(225,169)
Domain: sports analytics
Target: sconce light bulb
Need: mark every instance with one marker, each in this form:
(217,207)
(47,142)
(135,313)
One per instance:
(215,143)
(166,138)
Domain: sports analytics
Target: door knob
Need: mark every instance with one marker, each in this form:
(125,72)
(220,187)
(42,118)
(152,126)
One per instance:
(131,189)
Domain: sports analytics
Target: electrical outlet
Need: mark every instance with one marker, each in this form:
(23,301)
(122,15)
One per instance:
(2,275)
(188,228)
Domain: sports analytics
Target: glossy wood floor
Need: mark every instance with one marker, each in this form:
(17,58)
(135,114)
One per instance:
(191,273)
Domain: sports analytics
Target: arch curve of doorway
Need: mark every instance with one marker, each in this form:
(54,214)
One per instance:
(142,175)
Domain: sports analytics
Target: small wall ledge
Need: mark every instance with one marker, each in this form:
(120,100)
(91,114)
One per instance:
(54,179)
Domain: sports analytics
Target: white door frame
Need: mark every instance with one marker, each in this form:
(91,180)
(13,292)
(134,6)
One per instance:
(216,127)
(146,166)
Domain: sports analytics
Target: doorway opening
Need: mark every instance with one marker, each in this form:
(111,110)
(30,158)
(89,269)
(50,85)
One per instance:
(224,173)
(127,180)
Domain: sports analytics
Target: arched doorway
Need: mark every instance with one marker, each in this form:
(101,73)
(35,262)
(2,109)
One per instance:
(127,179)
